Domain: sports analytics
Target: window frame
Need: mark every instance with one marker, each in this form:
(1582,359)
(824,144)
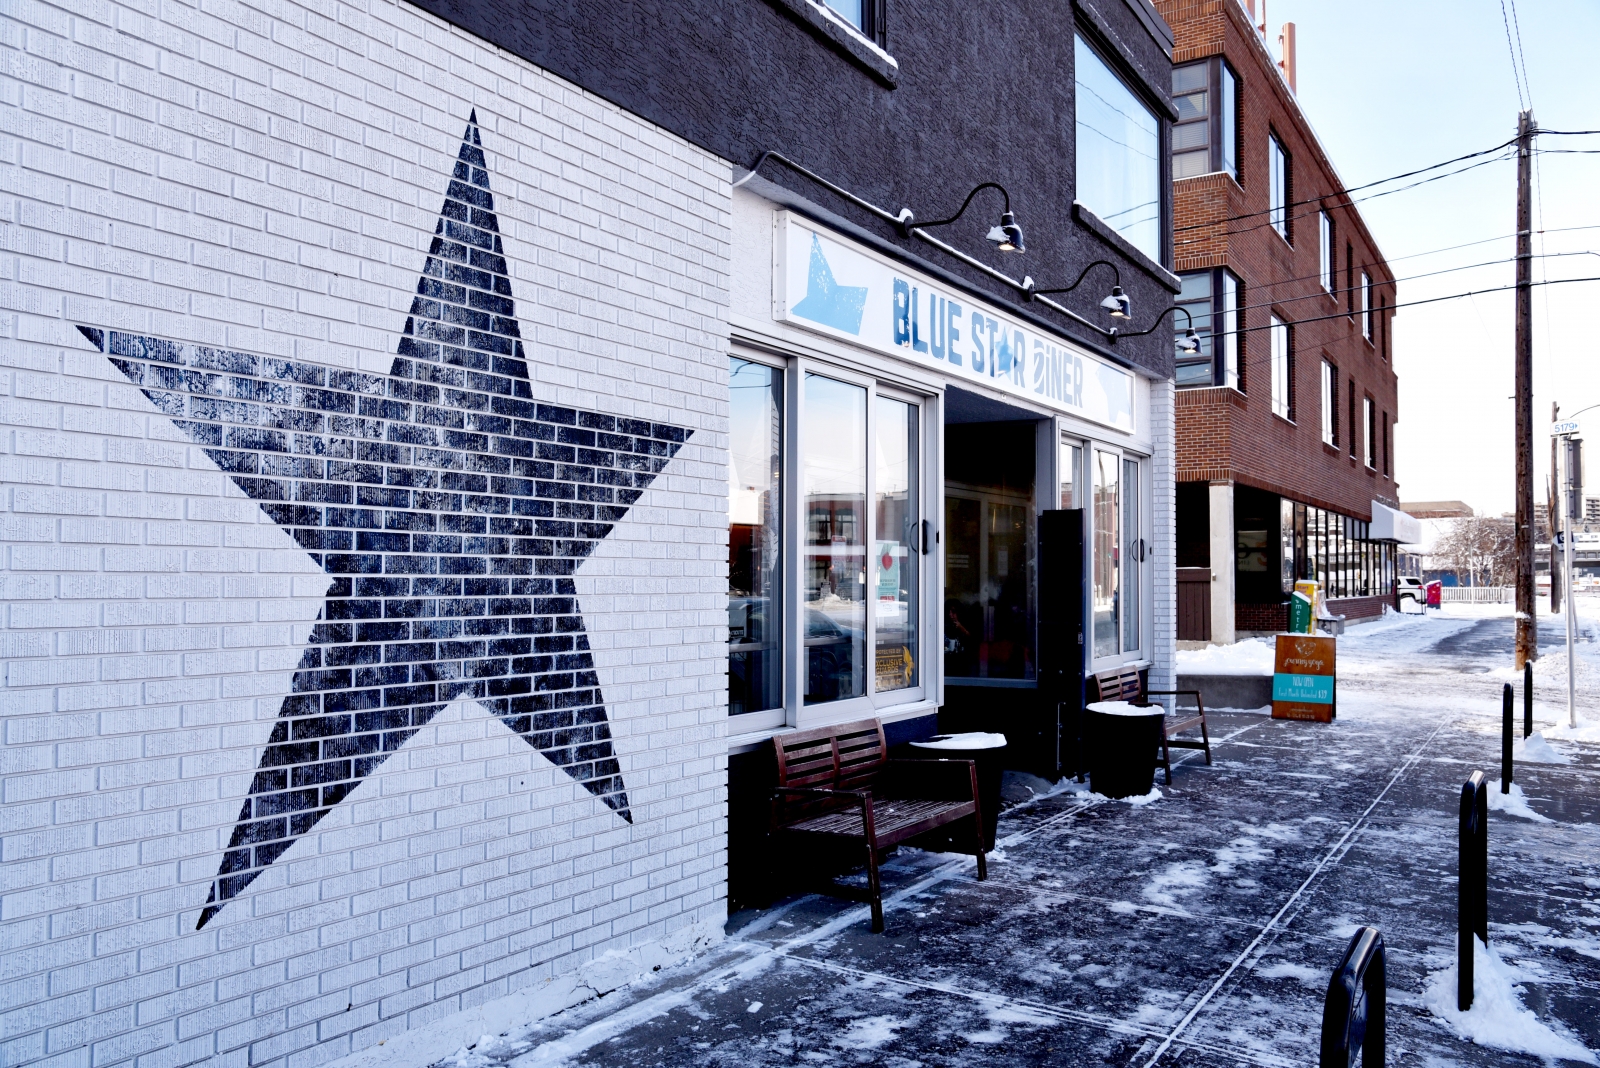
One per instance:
(1143,568)
(795,712)
(1369,422)
(1226,337)
(1330,403)
(1221,116)
(1327,239)
(1161,158)
(1366,305)
(1282,371)
(1280,187)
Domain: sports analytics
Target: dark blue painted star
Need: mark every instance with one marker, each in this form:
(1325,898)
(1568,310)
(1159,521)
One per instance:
(451,511)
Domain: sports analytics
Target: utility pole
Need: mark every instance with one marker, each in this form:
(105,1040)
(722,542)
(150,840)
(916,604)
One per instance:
(1527,629)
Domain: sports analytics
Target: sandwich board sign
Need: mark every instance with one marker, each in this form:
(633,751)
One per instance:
(1303,678)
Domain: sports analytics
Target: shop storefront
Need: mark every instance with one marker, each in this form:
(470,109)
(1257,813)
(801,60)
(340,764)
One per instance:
(893,442)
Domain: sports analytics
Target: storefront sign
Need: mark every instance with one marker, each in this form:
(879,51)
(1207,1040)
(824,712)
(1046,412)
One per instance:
(1303,684)
(827,285)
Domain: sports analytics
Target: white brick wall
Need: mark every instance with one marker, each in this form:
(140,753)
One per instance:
(265,177)
(1164,516)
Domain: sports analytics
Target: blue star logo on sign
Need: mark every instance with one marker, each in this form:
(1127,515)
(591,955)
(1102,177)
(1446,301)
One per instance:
(451,511)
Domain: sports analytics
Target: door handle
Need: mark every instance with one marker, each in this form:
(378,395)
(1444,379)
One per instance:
(924,537)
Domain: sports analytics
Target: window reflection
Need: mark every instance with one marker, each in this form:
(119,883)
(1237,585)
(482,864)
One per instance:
(1133,546)
(755,436)
(1119,162)
(834,483)
(1107,558)
(898,546)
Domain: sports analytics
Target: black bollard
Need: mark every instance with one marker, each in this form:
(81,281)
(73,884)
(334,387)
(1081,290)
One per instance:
(1354,1010)
(1527,700)
(1472,884)
(1506,701)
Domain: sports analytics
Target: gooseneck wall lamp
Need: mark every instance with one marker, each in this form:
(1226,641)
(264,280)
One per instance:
(1117,303)
(1006,235)
(1189,345)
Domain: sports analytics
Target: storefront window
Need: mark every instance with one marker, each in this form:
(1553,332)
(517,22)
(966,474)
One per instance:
(898,546)
(755,445)
(834,580)
(1107,539)
(1133,548)
(1069,469)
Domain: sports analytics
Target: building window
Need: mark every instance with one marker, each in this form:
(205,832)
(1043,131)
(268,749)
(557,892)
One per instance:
(1352,434)
(1330,386)
(1365,308)
(1325,236)
(853,551)
(755,535)
(1204,139)
(1282,369)
(1118,552)
(1212,300)
(1119,162)
(864,15)
(1278,186)
(1369,430)
(1385,444)
(1349,278)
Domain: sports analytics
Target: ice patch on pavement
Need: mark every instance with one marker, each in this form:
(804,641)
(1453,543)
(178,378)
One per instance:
(1176,880)
(1250,657)
(1513,803)
(1497,1017)
(1535,750)
(1303,973)
(1240,852)
(870,1032)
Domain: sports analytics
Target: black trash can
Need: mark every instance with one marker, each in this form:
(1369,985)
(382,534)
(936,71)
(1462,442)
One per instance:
(1122,742)
(987,751)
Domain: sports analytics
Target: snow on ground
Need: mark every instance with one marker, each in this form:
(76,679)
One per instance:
(1250,657)
(1512,803)
(1497,1017)
(1534,749)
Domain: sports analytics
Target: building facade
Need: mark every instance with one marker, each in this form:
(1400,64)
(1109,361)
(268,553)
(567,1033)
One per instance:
(442,449)
(1286,415)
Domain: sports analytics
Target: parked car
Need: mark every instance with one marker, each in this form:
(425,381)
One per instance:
(1408,588)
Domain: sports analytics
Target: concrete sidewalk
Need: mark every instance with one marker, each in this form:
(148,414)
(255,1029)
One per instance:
(1197,930)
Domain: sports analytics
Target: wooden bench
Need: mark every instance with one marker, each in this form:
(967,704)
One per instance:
(837,786)
(1126,684)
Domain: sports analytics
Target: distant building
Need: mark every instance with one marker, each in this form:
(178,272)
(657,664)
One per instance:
(1438,509)
(1285,415)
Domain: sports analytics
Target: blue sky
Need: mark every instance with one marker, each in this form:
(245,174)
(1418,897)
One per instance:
(1390,87)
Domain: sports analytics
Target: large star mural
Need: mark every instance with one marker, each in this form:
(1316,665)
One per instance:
(451,511)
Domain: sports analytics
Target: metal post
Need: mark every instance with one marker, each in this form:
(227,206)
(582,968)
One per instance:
(1527,631)
(1573,510)
(1507,701)
(1472,883)
(1355,1008)
(1553,510)
(1527,700)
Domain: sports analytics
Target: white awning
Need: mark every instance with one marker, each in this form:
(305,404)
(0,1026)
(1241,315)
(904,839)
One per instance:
(1391,524)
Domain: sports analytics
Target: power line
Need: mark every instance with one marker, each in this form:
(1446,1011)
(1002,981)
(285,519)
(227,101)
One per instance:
(1414,303)
(1321,294)
(1522,57)
(1355,188)
(1351,200)
(1522,101)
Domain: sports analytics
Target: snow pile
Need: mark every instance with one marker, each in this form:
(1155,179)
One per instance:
(1497,1017)
(1587,730)
(1513,803)
(1535,750)
(1143,799)
(870,1032)
(1243,658)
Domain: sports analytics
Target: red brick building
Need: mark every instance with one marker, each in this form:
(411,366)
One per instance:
(1285,418)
